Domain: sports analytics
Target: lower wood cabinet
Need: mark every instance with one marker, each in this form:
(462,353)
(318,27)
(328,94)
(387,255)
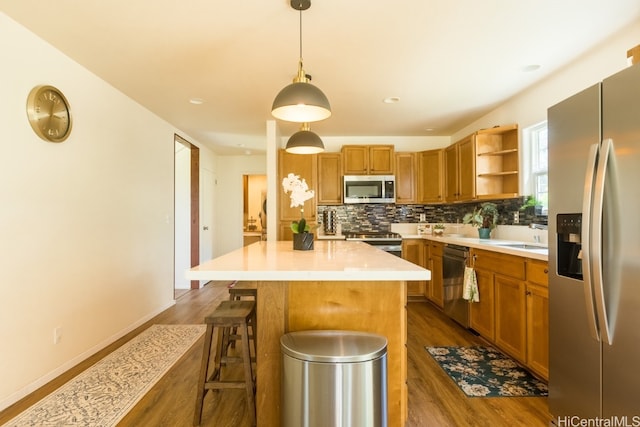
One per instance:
(482,314)
(435,289)
(513,312)
(511,316)
(413,251)
(538,317)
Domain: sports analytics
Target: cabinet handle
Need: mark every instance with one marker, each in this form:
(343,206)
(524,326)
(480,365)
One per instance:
(546,271)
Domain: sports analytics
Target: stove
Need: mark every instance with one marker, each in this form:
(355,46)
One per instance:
(374,235)
(384,240)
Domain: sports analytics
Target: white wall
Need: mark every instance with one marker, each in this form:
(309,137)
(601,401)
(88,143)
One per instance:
(86,226)
(229,203)
(530,107)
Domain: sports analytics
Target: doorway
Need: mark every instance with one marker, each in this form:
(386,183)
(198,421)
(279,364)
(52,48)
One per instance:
(186,213)
(254,211)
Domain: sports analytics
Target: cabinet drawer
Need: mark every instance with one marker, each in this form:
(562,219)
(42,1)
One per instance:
(506,265)
(436,248)
(538,272)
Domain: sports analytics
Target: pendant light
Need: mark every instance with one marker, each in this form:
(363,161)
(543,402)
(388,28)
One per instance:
(304,142)
(301,101)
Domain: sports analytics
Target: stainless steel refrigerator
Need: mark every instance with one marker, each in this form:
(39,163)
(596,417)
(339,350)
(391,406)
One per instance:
(594,252)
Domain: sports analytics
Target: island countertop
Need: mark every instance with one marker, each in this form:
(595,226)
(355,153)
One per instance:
(340,285)
(330,260)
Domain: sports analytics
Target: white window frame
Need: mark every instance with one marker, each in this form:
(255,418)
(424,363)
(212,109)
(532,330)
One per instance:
(532,167)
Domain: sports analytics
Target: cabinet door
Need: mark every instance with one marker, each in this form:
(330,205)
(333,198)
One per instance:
(430,176)
(451,173)
(466,169)
(355,159)
(482,318)
(329,179)
(381,160)
(413,251)
(436,290)
(538,329)
(511,319)
(405,178)
(303,165)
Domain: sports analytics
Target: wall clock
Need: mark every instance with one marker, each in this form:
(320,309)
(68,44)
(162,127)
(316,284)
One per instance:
(49,114)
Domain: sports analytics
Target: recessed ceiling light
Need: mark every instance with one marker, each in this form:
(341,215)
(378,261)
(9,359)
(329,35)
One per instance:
(529,68)
(429,129)
(196,101)
(391,100)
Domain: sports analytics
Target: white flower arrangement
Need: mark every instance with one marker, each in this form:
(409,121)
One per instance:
(300,192)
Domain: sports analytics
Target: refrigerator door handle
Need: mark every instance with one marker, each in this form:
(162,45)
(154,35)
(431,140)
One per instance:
(595,250)
(592,160)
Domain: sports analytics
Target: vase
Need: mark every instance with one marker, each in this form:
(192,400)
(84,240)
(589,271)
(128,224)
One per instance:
(303,241)
(484,233)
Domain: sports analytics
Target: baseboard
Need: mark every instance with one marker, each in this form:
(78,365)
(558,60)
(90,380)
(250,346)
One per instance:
(25,391)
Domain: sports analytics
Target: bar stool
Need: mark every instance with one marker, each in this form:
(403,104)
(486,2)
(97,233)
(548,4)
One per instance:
(227,316)
(237,290)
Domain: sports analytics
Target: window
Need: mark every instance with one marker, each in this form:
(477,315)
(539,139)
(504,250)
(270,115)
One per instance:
(537,160)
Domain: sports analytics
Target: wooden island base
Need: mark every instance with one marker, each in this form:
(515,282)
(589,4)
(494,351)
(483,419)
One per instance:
(368,306)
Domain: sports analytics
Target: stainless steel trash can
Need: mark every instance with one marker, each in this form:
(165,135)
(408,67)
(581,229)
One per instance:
(334,378)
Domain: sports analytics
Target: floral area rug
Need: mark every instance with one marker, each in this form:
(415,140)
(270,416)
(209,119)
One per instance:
(485,372)
(104,393)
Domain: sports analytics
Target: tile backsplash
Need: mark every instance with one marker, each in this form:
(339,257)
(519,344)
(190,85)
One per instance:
(379,217)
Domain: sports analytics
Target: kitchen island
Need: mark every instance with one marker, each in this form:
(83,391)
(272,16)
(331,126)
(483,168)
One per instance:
(340,285)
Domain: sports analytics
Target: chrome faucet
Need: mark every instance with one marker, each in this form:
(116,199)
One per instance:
(538,226)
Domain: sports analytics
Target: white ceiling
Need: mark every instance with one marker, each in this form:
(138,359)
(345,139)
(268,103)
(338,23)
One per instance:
(449,61)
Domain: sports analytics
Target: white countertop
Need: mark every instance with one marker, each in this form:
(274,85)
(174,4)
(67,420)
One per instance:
(331,260)
(534,251)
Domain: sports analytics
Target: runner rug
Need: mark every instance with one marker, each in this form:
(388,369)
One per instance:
(485,372)
(104,393)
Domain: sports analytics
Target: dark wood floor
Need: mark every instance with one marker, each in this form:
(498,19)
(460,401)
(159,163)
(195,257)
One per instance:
(434,400)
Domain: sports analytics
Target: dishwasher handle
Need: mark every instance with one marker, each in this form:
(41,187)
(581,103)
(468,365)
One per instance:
(455,251)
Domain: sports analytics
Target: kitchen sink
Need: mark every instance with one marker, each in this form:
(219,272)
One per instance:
(522,246)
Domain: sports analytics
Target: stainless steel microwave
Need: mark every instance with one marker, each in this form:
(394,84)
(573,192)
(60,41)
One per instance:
(369,189)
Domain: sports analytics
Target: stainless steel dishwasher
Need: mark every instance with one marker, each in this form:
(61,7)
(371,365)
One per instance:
(454,260)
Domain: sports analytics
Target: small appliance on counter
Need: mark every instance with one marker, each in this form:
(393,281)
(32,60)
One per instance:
(329,221)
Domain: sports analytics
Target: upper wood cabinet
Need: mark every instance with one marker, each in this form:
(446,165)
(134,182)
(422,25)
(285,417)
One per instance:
(460,170)
(484,165)
(368,159)
(430,181)
(497,162)
(329,179)
(304,165)
(405,178)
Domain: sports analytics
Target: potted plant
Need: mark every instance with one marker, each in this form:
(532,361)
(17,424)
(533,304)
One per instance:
(485,217)
(299,189)
(438,229)
(532,206)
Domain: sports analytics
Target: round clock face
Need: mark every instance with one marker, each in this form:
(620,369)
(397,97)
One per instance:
(48,112)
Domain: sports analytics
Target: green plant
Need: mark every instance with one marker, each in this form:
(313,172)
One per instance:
(438,226)
(483,216)
(529,202)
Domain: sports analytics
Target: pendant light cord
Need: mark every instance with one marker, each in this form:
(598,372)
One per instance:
(300,34)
